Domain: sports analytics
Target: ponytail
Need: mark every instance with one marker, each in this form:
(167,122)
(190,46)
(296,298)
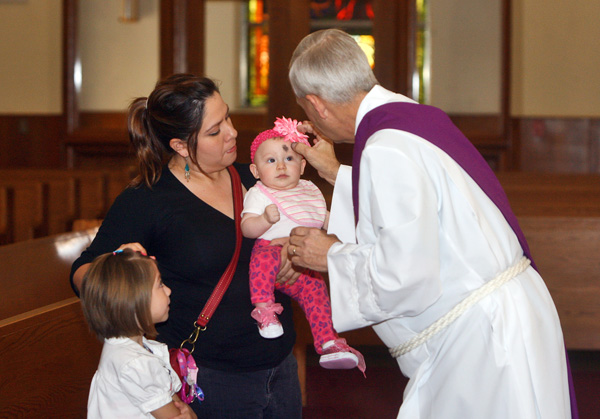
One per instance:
(150,153)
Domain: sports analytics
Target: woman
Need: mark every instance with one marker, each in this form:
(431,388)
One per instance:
(182,213)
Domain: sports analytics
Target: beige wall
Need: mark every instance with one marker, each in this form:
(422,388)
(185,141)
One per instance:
(222,51)
(119,61)
(556,57)
(465,68)
(31,57)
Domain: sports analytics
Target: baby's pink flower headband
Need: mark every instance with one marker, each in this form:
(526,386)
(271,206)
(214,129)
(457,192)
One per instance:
(285,128)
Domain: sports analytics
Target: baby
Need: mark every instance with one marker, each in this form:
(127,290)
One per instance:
(280,201)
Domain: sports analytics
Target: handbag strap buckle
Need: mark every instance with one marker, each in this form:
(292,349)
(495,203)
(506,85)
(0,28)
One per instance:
(193,337)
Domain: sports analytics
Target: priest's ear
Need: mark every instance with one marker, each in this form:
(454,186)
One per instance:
(318,104)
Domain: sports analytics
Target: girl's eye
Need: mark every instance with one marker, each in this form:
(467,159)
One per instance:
(289,158)
(271,160)
(214,134)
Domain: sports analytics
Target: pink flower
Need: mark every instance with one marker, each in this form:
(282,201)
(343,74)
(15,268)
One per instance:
(285,128)
(288,128)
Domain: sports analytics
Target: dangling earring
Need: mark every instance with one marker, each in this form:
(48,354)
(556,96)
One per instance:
(187,170)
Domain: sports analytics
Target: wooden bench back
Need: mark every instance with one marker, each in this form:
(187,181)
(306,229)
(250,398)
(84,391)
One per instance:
(48,360)
(48,354)
(565,250)
(35,273)
(552,194)
(24,209)
(39,202)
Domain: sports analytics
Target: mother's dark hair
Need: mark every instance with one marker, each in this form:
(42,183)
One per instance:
(174,109)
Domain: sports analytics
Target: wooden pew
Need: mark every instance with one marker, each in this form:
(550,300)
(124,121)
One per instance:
(48,355)
(560,217)
(35,273)
(565,250)
(39,202)
(552,194)
(48,361)
(24,208)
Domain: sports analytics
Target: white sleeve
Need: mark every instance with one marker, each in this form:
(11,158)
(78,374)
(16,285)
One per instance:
(393,271)
(341,219)
(255,201)
(148,383)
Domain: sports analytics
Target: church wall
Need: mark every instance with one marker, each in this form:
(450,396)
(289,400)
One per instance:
(31,57)
(556,57)
(554,79)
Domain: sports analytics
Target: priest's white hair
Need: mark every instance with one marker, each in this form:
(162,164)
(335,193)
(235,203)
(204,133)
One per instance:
(330,64)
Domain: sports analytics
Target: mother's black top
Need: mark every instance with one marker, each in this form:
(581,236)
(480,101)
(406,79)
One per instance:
(193,244)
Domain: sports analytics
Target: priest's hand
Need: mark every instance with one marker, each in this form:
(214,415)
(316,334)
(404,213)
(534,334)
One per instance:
(288,273)
(309,246)
(321,155)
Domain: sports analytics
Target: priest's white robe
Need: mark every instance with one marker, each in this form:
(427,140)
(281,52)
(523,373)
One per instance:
(428,236)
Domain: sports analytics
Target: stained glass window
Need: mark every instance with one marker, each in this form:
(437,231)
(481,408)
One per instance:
(422,50)
(341,10)
(352,16)
(258,54)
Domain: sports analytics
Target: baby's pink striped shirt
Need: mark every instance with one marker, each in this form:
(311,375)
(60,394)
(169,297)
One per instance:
(303,204)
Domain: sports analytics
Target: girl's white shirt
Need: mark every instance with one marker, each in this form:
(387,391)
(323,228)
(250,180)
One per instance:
(132,381)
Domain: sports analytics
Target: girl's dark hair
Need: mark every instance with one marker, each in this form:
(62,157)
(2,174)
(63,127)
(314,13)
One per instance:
(174,109)
(116,295)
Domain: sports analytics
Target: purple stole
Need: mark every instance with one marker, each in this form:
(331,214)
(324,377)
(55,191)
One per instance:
(433,125)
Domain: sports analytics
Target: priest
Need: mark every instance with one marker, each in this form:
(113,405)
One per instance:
(423,247)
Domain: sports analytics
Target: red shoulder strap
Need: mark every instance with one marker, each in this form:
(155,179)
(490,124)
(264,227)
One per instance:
(219,291)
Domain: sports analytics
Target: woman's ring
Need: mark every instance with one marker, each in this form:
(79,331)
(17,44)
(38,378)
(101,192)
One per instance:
(294,251)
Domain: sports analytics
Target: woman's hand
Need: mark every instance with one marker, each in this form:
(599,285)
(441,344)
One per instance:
(133,246)
(81,271)
(288,274)
(308,247)
(321,155)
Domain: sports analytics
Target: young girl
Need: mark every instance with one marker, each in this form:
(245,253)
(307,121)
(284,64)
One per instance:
(279,202)
(122,296)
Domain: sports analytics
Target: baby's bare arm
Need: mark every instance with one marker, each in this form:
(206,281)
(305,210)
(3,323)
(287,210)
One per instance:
(254,225)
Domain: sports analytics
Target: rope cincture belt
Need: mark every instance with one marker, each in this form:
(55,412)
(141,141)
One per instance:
(461,307)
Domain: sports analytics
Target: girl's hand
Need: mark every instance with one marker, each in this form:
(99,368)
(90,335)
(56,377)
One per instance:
(185,409)
(271,214)
(176,409)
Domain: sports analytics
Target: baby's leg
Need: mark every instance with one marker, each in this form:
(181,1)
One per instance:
(264,265)
(311,293)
